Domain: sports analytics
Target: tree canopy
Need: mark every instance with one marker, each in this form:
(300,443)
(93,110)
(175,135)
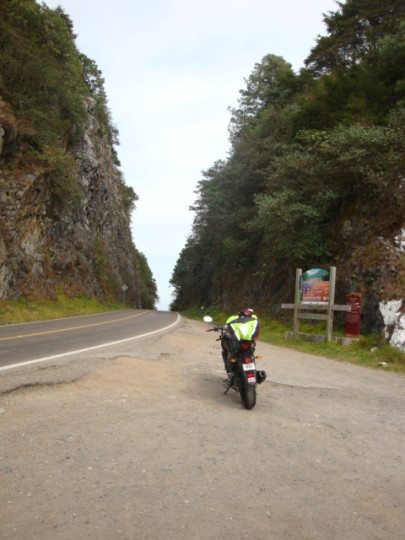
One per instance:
(308,151)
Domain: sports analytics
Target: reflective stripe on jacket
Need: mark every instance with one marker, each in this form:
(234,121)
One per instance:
(244,328)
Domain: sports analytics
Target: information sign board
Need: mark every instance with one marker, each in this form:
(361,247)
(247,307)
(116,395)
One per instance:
(314,287)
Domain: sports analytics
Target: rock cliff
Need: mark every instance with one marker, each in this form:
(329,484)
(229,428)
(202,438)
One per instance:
(66,227)
(65,208)
(374,266)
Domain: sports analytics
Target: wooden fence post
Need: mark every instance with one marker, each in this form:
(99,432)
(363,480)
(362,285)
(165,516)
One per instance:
(331,302)
(297,303)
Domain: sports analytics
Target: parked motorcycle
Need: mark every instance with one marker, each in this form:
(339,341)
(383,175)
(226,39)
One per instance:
(240,364)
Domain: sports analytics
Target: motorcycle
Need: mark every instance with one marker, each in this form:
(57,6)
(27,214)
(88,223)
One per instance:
(240,364)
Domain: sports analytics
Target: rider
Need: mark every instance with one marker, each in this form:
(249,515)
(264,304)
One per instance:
(244,326)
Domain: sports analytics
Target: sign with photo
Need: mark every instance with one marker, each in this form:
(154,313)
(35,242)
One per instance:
(314,286)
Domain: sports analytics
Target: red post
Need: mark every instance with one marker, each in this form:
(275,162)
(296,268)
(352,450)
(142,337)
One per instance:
(352,323)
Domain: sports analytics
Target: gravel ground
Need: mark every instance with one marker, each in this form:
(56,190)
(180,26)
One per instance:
(139,442)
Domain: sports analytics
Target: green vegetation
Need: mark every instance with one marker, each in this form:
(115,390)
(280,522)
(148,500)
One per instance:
(311,153)
(43,75)
(63,185)
(147,285)
(22,310)
(44,78)
(102,267)
(367,351)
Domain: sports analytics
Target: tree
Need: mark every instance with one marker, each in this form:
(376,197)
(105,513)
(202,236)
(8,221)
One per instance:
(271,84)
(308,152)
(355,33)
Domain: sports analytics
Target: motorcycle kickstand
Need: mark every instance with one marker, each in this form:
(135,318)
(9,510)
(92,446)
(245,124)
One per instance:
(230,385)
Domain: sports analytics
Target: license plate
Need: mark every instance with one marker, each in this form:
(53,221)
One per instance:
(249,367)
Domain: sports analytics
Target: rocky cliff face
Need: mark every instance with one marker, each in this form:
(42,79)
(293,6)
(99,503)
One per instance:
(374,266)
(65,218)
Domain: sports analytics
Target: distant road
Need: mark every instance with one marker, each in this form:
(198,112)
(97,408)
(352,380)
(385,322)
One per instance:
(30,342)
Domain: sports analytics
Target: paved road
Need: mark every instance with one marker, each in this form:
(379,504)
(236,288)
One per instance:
(32,341)
(137,441)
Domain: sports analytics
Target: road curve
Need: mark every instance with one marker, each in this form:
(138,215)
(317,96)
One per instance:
(40,341)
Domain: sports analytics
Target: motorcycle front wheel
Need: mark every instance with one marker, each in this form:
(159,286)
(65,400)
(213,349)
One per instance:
(247,391)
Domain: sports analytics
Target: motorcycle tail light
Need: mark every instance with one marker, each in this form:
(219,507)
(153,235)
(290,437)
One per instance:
(252,378)
(248,360)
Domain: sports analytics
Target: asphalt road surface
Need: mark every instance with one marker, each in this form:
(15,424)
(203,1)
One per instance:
(32,341)
(137,441)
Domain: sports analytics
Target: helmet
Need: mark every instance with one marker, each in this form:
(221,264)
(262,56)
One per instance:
(261,376)
(246,312)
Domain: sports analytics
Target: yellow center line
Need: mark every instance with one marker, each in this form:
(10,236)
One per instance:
(72,327)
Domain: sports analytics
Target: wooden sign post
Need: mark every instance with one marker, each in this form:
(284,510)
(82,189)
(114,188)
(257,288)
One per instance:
(301,309)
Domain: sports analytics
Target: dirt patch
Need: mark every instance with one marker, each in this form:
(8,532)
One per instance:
(142,444)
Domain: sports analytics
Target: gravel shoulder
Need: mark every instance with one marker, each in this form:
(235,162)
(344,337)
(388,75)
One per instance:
(139,442)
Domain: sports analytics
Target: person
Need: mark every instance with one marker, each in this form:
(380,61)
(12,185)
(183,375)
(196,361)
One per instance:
(243,326)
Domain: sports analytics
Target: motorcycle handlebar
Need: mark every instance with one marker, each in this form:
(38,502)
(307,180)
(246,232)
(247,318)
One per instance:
(215,329)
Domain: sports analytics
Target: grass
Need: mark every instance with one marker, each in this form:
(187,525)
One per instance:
(367,351)
(22,310)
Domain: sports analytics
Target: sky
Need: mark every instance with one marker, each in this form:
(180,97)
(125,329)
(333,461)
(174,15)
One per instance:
(172,70)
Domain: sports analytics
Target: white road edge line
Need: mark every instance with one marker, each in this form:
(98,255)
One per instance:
(90,348)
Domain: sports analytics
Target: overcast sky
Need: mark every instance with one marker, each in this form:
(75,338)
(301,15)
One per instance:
(172,68)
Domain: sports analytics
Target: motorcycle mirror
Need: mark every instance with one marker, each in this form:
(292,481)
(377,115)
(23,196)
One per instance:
(207,319)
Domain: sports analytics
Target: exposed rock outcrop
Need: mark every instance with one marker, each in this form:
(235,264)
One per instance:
(374,266)
(65,208)
(65,219)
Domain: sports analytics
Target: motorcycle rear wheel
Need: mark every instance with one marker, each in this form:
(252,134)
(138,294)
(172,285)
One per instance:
(247,391)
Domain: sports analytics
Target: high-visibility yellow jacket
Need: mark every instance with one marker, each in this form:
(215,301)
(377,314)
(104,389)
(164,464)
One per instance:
(244,328)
